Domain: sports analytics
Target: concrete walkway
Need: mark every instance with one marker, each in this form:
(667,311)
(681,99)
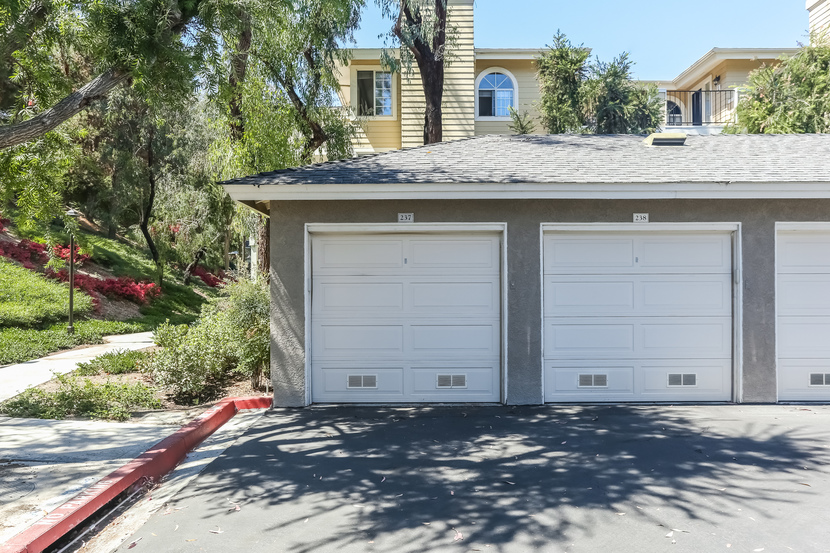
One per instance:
(16,378)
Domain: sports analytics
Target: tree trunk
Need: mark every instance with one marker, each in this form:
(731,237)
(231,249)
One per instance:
(37,126)
(228,246)
(263,241)
(239,66)
(433,82)
(188,271)
(148,210)
(428,52)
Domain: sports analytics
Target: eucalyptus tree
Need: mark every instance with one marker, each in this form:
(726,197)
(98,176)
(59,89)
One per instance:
(424,35)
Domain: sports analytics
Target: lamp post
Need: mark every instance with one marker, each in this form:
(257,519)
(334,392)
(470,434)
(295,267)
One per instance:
(71,328)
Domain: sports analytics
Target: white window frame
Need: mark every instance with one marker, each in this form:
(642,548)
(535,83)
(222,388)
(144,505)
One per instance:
(507,74)
(353,91)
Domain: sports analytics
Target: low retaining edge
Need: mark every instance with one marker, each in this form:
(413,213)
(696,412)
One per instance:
(152,464)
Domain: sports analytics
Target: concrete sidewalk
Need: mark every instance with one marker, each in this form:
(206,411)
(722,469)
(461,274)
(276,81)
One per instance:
(16,378)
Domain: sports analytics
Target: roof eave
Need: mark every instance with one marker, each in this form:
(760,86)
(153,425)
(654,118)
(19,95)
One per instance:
(529,190)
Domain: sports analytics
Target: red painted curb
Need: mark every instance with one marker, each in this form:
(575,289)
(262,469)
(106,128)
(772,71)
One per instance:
(152,464)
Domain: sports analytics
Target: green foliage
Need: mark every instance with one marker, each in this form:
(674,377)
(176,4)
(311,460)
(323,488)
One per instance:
(232,335)
(562,71)
(76,398)
(521,123)
(790,97)
(596,98)
(114,362)
(28,299)
(23,344)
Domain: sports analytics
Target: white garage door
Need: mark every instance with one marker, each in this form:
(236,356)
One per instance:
(638,316)
(405,318)
(803,308)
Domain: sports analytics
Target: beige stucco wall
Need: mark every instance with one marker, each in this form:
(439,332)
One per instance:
(524,71)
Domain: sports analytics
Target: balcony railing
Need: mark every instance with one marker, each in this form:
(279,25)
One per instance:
(699,107)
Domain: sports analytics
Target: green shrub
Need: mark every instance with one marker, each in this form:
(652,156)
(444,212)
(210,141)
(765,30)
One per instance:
(110,400)
(28,299)
(231,336)
(24,344)
(119,361)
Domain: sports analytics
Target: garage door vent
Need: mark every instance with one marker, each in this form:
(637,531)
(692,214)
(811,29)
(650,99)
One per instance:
(819,379)
(363,381)
(593,380)
(451,381)
(677,379)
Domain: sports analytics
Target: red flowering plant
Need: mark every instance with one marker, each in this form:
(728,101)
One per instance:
(25,252)
(3,222)
(207,278)
(120,288)
(62,252)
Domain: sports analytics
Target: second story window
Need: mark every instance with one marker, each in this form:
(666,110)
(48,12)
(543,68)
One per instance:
(374,93)
(495,95)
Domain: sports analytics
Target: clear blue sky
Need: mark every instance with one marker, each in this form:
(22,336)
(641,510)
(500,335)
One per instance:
(662,37)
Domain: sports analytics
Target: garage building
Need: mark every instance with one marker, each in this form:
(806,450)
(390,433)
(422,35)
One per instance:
(560,268)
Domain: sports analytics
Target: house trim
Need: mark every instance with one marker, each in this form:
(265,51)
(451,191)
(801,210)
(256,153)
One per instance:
(502,191)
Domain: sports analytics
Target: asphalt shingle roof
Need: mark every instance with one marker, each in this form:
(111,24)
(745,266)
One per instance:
(578,159)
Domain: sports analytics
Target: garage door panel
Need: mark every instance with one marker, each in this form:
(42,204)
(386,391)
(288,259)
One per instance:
(362,379)
(686,379)
(589,381)
(803,252)
(804,337)
(597,295)
(370,340)
(461,339)
(803,294)
(640,337)
(569,338)
(464,296)
(453,255)
(703,338)
(687,254)
(804,379)
(355,256)
(442,383)
(576,253)
(709,294)
(358,297)
(587,296)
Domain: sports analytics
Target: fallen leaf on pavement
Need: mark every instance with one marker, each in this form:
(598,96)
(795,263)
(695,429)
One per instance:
(134,543)
(458,535)
(670,534)
(217,531)
(509,482)
(383,479)
(176,528)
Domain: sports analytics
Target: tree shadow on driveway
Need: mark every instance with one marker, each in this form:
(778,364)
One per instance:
(506,479)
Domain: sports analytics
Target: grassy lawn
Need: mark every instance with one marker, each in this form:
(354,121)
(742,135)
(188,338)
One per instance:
(34,310)
(28,299)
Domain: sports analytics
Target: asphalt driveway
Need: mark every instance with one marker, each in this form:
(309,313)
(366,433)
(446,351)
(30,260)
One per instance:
(502,479)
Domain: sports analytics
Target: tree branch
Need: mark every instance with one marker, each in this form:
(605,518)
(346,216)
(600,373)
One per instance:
(97,88)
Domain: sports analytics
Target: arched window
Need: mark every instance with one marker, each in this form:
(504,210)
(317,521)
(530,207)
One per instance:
(673,114)
(495,93)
